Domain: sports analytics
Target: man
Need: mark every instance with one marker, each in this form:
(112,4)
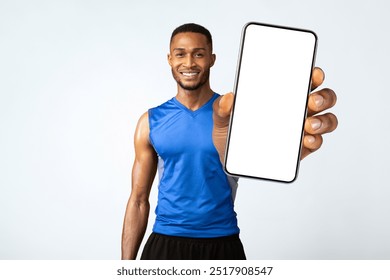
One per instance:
(185,139)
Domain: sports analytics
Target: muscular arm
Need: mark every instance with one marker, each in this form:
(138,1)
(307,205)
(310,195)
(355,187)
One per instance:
(143,173)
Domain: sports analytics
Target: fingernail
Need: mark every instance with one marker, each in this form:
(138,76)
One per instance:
(315,124)
(318,100)
(311,139)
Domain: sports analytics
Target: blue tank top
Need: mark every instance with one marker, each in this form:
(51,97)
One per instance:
(194,195)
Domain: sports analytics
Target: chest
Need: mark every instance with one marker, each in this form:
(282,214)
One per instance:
(180,133)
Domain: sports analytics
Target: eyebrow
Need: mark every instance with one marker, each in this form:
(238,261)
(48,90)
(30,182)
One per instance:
(194,49)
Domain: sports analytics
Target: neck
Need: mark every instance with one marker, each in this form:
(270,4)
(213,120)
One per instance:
(194,99)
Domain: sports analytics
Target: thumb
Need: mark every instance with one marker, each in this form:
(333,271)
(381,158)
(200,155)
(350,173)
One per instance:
(223,105)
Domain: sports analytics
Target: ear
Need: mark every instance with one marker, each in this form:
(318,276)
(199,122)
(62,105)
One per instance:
(213,59)
(169,57)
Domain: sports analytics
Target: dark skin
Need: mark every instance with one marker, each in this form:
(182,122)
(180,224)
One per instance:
(191,58)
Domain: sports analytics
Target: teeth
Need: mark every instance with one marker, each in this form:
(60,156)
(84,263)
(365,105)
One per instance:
(189,74)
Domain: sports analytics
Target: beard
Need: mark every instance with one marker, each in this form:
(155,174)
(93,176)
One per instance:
(203,80)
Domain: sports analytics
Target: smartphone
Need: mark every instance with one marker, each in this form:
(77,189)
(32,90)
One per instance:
(271,90)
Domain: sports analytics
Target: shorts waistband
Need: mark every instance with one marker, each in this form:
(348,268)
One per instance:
(197,240)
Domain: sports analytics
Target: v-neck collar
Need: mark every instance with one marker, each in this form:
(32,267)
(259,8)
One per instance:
(201,108)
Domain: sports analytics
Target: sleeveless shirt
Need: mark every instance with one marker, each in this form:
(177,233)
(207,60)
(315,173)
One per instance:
(194,195)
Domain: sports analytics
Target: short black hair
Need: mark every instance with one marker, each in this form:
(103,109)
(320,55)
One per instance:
(195,28)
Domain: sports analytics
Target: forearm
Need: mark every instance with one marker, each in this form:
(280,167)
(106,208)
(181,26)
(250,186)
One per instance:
(219,135)
(134,227)
(221,117)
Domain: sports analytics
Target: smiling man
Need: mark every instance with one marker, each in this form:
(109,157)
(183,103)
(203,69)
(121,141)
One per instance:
(191,59)
(184,139)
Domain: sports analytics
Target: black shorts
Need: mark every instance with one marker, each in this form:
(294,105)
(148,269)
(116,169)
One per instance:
(165,247)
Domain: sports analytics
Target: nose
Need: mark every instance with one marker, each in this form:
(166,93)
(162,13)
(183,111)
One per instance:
(189,61)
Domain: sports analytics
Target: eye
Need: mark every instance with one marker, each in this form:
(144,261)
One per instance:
(179,54)
(199,55)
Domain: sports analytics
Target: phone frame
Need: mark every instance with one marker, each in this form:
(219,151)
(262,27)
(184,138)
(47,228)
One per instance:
(237,78)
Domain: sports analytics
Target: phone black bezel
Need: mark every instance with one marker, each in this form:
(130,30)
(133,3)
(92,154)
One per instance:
(235,90)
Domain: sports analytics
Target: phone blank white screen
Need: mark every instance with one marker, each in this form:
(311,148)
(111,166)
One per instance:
(272,86)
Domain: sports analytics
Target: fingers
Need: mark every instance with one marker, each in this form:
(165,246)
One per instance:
(317,77)
(321,100)
(316,125)
(311,143)
(321,124)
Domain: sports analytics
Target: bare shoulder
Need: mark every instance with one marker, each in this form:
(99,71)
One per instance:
(144,120)
(141,136)
(143,124)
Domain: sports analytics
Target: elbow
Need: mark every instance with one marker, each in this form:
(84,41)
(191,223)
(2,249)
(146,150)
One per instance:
(139,203)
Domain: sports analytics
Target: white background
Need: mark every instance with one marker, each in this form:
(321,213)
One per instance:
(76,75)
